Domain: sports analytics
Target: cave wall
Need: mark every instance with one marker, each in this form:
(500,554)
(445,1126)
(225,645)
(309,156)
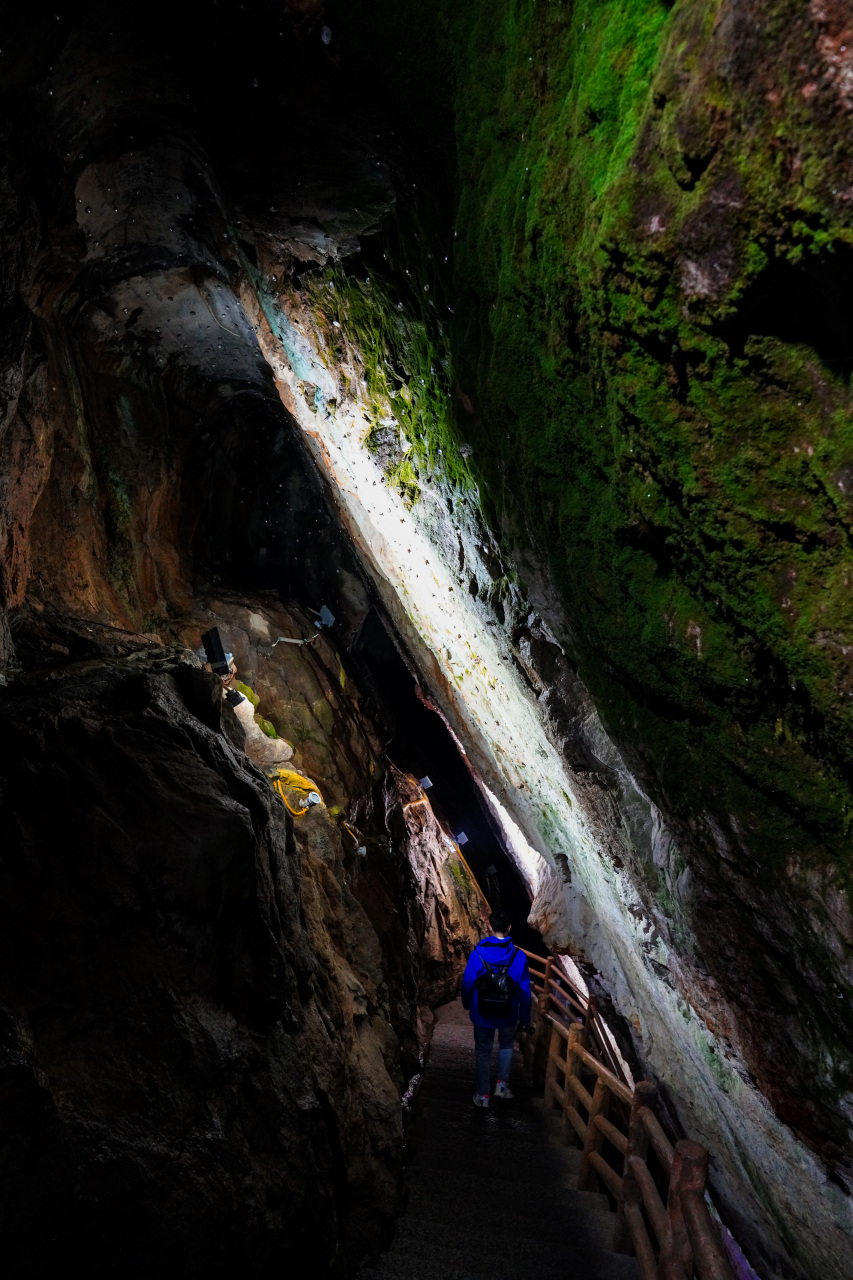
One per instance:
(575,417)
(641,331)
(210,1010)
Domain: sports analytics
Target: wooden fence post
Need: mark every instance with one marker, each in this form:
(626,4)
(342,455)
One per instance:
(587,1177)
(543,1031)
(689,1170)
(572,1069)
(551,1086)
(645,1095)
(591,1011)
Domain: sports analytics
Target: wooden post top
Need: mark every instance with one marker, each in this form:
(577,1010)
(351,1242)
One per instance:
(689,1167)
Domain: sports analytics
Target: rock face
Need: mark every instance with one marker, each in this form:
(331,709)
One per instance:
(650,226)
(445,884)
(209,1010)
(576,420)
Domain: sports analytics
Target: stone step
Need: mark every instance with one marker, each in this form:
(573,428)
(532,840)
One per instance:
(427,1250)
(546,1224)
(492,1193)
(489,1161)
(481,1164)
(506,1182)
(443,1262)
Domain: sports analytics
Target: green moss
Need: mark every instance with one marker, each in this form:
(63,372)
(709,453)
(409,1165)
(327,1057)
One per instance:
(680,477)
(648,229)
(266,726)
(397,343)
(247,692)
(460,875)
(120,502)
(324,716)
(644,223)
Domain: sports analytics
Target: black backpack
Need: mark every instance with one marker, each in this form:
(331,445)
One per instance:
(496,990)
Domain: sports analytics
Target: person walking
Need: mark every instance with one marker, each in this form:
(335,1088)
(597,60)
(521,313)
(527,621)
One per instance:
(496,993)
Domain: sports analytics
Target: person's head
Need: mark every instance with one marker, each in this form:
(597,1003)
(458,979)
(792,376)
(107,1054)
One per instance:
(500,922)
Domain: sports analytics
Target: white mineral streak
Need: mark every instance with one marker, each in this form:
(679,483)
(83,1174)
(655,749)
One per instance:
(532,867)
(411,555)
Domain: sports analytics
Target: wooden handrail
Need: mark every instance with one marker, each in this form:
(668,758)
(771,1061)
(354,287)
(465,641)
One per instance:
(608,1175)
(532,956)
(689,1168)
(566,995)
(642,1244)
(616,1086)
(560,976)
(651,1196)
(661,1143)
(558,1026)
(564,989)
(711,1260)
(605,1049)
(686,1241)
(580,1092)
(612,1134)
(566,1015)
(577,1123)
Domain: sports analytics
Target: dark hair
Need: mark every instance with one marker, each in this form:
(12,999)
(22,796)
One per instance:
(500,921)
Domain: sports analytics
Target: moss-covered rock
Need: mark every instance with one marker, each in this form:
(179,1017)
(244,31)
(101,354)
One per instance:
(650,339)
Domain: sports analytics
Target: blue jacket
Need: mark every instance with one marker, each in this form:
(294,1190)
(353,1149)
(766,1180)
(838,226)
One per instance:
(497,951)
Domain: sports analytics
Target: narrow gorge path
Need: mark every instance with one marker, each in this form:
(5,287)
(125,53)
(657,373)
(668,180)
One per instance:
(492,1193)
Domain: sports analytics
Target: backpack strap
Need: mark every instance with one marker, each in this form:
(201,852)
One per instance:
(490,965)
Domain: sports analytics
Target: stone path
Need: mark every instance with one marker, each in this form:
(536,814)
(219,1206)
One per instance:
(491,1193)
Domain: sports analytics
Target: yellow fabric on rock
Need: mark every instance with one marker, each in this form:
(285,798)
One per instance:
(287,779)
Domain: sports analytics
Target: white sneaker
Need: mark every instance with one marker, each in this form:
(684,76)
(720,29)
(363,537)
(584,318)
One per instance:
(481,1099)
(502,1090)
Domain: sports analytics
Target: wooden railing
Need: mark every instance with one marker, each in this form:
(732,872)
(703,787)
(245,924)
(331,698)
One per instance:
(658,1188)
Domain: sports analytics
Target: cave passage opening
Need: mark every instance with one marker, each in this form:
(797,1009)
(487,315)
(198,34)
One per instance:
(421,743)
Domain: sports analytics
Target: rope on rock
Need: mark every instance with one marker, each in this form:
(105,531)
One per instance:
(307,791)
